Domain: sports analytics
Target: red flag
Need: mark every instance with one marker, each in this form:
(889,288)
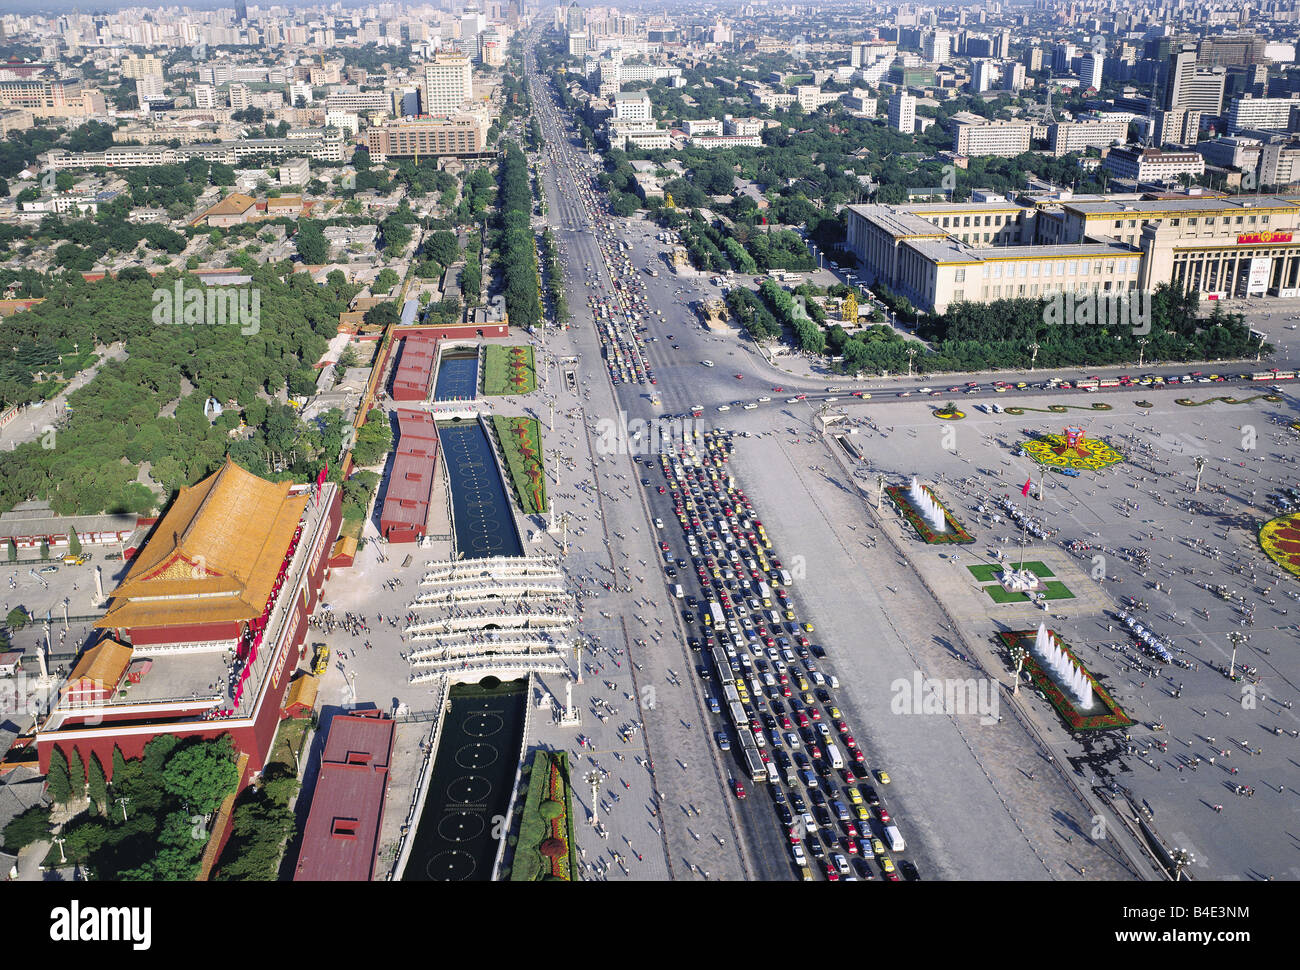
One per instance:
(320,479)
(1028,481)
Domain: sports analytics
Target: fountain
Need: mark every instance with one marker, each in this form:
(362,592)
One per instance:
(1063,670)
(926,507)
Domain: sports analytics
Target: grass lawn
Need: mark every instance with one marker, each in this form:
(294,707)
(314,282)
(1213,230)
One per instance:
(988,572)
(1001,595)
(1052,591)
(521,443)
(288,739)
(508,370)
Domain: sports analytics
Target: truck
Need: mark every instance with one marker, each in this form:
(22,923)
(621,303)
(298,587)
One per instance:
(894,838)
(719,619)
(833,755)
(764,591)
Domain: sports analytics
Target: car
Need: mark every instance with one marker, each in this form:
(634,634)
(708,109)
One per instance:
(724,743)
(738,787)
(740,377)
(832,874)
(885,817)
(855,796)
(909,871)
(724,407)
(797,851)
(841,863)
(878,848)
(707,363)
(882,776)
(887,864)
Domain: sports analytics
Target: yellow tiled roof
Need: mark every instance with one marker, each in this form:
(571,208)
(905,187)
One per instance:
(214,556)
(105,664)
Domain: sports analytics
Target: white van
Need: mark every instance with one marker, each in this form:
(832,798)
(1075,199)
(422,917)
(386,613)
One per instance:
(678,592)
(834,682)
(818,678)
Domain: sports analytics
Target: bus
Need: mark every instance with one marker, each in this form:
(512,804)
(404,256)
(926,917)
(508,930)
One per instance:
(719,619)
(754,764)
(738,716)
(1109,382)
(1089,384)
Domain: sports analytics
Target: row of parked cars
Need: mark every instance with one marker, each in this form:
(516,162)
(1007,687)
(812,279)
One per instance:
(775,705)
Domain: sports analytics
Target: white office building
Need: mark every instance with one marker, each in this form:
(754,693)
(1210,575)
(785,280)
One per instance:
(902,112)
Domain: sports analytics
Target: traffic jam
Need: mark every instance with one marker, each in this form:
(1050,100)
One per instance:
(774,708)
(619,307)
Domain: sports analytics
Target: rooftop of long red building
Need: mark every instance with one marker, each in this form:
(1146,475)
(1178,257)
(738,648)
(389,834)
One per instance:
(341,838)
(415,366)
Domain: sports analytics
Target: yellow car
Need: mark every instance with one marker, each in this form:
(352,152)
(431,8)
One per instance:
(883,776)
(808,699)
(878,847)
(855,796)
(887,864)
(834,712)
(802,681)
(808,628)
(767,602)
(789,614)
(999,389)
(863,814)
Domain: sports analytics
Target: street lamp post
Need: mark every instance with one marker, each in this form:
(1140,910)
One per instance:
(1200,467)
(911,353)
(1142,346)
(1033,351)
(123,802)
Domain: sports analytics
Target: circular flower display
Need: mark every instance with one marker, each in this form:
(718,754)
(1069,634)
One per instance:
(1091,454)
(1280,540)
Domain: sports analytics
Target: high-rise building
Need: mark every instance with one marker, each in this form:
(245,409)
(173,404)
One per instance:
(1033,59)
(981,76)
(937,47)
(575,19)
(448,83)
(1090,71)
(902,112)
(1062,56)
(1190,86)
(241,12)
(205,96)
(1182,68)
(1002,43)
(1013,76)
(149,87)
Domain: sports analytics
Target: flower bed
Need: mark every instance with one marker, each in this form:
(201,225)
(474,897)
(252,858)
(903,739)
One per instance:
(508,370)
(545,848)
(521,443)
(955,534)
(1280,540)
(1114,717)
(1089,454)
